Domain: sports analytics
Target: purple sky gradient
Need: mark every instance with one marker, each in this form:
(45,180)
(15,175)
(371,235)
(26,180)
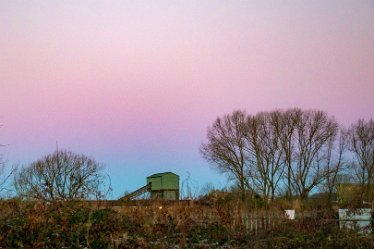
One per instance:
(136,83)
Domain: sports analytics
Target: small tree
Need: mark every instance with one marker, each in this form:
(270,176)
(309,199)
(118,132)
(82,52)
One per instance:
(5,189)
(2,180)
(62,175)
(4,176)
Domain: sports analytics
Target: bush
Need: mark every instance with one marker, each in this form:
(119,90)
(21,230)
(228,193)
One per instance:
(80,225)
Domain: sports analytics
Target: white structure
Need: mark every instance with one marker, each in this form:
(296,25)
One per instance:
(358,219)
(290,214)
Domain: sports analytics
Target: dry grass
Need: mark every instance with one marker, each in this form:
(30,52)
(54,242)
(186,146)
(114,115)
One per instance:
(218,224)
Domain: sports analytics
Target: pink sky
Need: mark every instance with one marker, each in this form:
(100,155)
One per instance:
(136,83)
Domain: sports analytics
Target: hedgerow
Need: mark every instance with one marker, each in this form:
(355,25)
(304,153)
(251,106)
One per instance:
(25,224)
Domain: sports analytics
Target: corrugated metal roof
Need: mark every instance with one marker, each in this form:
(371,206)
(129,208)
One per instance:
(161,174)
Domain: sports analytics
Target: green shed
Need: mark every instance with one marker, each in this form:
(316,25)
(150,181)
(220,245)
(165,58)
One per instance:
(164,186)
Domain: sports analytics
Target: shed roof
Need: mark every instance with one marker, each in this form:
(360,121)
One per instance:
(161,174)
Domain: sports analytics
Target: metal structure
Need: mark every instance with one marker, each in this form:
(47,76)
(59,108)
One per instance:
(137,193)
(163,186)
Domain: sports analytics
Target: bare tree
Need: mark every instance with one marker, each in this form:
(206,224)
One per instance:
(289,145)
(186,191)
(361,144)
(261,151)
(313,132)
(3,179)
(62,175)
(4,175)
(264,142)
(336,162)
(226,148)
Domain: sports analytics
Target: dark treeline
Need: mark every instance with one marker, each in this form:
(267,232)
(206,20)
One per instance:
(291,153)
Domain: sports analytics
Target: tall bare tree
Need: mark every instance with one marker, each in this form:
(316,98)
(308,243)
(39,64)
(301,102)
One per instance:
(361,144)
(313,132)
(226,148)
(289,120)
(261,151)
(264,142)
(336,162)
(62,175)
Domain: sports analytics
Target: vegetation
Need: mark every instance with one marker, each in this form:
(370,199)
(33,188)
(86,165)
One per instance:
(222,223)
(361,144)
(291,153)
(276,159)
(62,175)
(4,175)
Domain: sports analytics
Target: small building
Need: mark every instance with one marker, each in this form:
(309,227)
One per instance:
(164,186)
